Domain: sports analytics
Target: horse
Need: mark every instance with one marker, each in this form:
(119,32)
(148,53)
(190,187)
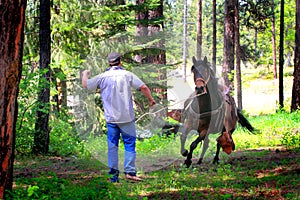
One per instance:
(209,110)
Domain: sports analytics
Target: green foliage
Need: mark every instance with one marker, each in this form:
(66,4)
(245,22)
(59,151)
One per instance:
(49,186)
(27,101)
(273,130)
(291,139)
(63,139)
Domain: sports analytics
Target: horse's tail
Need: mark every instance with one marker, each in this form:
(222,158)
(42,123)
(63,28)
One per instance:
(243,121)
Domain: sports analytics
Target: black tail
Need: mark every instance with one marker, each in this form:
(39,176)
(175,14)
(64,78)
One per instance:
(244,121)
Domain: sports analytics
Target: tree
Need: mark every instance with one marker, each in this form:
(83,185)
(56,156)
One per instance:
(274,41)
(296,84)
(281,51)
(157,55)
(11,45)
(214,47)
(41,136)
(141,29)
(255,15)
(199,31)
(228,58)
(184,39)
(238,55)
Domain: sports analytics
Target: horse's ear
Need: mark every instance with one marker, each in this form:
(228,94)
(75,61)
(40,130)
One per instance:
(205,59)
(194,60)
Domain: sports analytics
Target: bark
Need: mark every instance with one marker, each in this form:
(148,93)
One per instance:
(41,136)
(199,31)
(274,42)
(296,84)
(214,48)
(238,56)
(141,30)
(158,55)
(11,44)
(184,39)
(281,60)
(228,58)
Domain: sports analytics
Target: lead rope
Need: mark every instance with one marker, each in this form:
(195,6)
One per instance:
(153,113)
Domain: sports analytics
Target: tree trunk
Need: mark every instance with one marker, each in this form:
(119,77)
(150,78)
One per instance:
(184,53)
(296,85)
(274,41)
(11,44)
(255,42)
(238,56)
(141,30)
(41,136)
(199,31)
(214,48)
(228,58)
(158,55)
(281,60)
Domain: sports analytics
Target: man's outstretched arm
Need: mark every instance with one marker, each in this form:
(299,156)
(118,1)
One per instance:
(146,91)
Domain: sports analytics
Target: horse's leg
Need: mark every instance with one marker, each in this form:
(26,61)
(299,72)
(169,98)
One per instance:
(183,137)
(204,149)
(188,160)
(216,159)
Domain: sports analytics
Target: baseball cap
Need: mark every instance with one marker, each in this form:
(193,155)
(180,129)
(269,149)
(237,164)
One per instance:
(113,58)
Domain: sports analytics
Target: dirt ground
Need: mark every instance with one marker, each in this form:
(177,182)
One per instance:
(64,166)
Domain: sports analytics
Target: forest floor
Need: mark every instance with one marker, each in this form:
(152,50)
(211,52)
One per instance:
(259,96)
(272,170)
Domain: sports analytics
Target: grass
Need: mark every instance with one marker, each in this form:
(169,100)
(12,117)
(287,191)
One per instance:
(262,167)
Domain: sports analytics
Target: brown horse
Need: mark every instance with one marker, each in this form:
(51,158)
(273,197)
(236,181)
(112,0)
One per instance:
(210,109)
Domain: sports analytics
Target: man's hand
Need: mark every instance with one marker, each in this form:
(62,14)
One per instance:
(86,73)
(152,102)
(85,77)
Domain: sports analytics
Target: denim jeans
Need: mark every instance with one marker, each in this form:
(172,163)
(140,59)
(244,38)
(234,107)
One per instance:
(128,133)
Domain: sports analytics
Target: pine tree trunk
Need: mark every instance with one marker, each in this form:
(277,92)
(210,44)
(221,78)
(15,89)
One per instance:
(41,136)
(199,31)
(228,58)
(185,50)
(281,59)
(296,85)
(158,56)
(238,57)
(214,48)
(11,45)
(274,41)
(141,30)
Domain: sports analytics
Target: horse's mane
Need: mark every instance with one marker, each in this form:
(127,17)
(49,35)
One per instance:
(213,76)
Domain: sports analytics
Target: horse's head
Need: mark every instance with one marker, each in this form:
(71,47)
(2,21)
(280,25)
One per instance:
(202,74)
(226,142)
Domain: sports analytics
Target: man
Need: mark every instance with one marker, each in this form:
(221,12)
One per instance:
(115,86)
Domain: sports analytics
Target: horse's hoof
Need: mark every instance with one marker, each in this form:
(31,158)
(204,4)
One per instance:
(187,163)
(216,161)
(185,153)
(199,161)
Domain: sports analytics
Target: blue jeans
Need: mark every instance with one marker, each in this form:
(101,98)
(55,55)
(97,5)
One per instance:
(128,132)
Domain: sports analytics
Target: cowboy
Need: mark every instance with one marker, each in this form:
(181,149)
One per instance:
(115,86)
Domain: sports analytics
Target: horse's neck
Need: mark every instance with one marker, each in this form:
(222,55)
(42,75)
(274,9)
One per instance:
(201,103)
(216,98)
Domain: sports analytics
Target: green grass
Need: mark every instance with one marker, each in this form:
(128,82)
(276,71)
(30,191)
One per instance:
(265,165)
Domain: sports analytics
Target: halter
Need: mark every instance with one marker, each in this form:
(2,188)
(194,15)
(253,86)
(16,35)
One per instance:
(205,84)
